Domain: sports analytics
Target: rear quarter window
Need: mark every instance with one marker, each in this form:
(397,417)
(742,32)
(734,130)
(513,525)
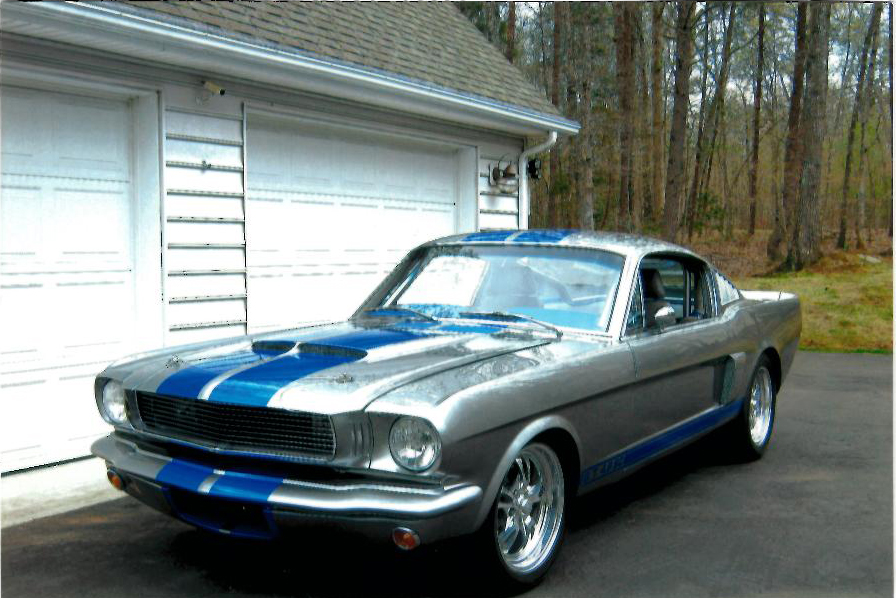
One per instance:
(728,293)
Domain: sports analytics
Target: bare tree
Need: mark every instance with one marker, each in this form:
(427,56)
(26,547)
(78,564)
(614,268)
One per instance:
(805,246)
(703,154)
(684,51)
(793,149)
(554,200)
(625,77)
(657,104)
(868,97)
(857,109)
(757,106)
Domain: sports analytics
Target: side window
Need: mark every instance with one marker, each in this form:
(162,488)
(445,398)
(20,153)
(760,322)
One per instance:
(666,284)
(635,320)
(699,296)
(728,293)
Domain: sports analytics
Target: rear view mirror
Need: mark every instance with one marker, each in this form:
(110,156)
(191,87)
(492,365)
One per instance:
(665,316)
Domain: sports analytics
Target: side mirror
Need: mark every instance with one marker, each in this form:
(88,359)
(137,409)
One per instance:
(665,316)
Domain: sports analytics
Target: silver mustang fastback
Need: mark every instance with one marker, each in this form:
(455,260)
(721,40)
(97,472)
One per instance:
(488,380)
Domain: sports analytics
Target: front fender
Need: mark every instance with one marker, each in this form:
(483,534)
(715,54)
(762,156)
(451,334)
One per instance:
(532,430)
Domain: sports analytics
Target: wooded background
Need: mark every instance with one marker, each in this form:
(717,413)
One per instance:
(738,119)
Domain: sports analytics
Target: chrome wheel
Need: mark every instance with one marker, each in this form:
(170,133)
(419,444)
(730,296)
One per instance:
(761,405)
(529,509)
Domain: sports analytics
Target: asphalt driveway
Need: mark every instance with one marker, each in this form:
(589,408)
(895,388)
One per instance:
(813,518)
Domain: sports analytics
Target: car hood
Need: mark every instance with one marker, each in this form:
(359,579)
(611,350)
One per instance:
(324,369)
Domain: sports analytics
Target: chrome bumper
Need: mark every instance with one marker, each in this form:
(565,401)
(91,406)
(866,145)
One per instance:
(372,508)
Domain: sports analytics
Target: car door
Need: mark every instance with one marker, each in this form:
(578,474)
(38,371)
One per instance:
(679,367)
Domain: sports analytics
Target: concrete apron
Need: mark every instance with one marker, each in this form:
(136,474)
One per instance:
(54,489)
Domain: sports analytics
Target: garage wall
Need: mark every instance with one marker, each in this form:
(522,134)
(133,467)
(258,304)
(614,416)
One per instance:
(205,228)
(498,208)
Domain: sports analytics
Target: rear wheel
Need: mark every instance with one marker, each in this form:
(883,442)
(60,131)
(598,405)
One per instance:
(752,430)
(527,522)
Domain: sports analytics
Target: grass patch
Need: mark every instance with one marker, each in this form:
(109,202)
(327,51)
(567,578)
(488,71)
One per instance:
(847,303)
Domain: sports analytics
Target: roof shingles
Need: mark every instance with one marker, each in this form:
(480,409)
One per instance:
(426,42)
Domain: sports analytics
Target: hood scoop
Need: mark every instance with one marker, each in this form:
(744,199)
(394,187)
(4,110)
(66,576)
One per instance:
(272,348)
(331,351)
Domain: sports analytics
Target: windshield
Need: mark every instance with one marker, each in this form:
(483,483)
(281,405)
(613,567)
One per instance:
(562,286)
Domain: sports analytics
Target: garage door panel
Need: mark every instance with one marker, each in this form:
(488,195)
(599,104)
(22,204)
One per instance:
(93,224)
(100,121)
(22,336)
(22,236)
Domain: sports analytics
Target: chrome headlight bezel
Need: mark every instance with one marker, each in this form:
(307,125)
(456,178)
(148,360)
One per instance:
(414,443)
(114,403)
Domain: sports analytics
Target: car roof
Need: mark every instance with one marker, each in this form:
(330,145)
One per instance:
(632,246)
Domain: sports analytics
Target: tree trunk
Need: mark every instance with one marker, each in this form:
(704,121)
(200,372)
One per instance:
(701,173)
(656,100)
(857,108)
(863,147)
(625,83)
(805,246)
(511,30)
(757,106)
(684,51)
(554,199)
(793,150)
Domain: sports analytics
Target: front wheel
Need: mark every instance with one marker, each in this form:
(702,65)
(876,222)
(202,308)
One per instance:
(527,522)
(752,429)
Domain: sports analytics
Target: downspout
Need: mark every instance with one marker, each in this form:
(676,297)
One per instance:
(522,168)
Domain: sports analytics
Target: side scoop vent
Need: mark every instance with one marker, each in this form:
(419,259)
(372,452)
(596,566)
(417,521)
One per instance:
(332,351)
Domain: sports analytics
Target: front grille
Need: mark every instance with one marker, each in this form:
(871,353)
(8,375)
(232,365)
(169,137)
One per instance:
(237,427)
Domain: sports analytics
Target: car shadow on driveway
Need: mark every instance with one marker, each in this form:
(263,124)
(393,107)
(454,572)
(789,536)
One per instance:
(147,554)
(340,564)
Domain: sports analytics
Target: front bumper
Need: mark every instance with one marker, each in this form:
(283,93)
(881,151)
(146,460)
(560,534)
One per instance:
(261,505)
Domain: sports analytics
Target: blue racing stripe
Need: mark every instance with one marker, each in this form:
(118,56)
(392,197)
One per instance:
(489,235)
(257,386)
(244,486)
(183,474)
(660,443)
(543,236)
(188,382)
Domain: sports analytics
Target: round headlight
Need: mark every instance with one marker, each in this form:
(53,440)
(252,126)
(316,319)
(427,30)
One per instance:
(414,443)
(114,402)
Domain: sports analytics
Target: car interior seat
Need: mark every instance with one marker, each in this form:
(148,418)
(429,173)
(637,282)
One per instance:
(654,295)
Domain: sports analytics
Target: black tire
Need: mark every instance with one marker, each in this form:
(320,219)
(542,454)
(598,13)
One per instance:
(510,568)
(751,431)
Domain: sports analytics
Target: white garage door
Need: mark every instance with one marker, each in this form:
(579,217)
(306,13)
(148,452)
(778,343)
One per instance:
(66,267)
(330,211)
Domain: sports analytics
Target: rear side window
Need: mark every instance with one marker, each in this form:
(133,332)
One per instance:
(673,276)
(728,293)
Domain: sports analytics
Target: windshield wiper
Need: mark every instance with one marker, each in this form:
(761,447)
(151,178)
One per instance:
(503,315)
(408,310)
